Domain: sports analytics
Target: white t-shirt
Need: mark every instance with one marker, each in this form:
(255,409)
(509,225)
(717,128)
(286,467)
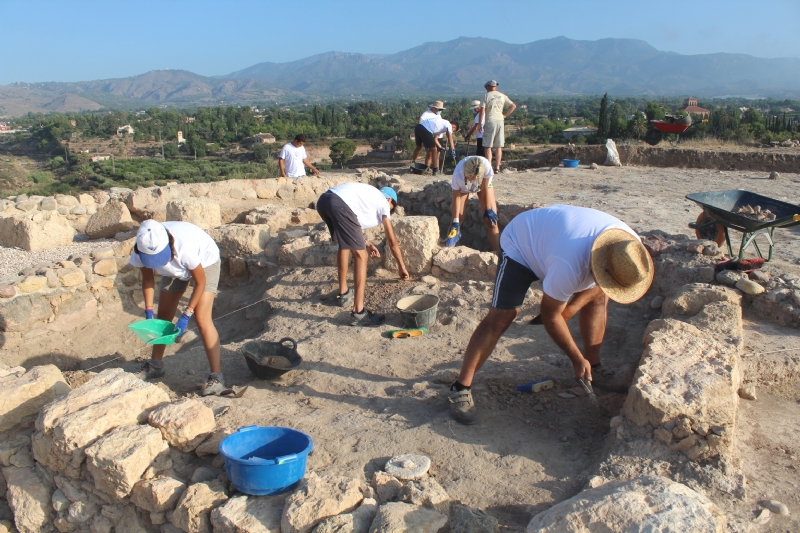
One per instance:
(479,131)
(555,242)
(460,183)
(368,203)
(193,247)
(437,125)
(293,157)
(427,114)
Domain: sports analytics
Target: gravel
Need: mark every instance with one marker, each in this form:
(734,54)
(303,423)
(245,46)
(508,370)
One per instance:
(12,260)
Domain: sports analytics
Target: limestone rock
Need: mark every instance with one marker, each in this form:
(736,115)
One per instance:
(109,220)
(463,519)
(426,492)
(268,190)
(386,486)
(117,460)
(65,427)
(749,287)
(202,212)
(48,204)
(237,240)
(192,514)
(23,232)
(774,175)
(408,466)
(183,423)
(359,521)
(748,392)
(401,517)
(776,507)
(31,284)
(278,217)
(71,277)
(157,495)
(105,267)
(648,503)
(464,262)
(23,396)
(418,238)
(23,312)
(691,298)
(202,473)
(255,514)
(730,277)
(29,498)
(318,498)
(7,291)
(66,200)
(656,302)
(210,446)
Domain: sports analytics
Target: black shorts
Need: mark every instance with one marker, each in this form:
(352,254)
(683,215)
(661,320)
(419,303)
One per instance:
(423,137)
(342,222)
(511,283)
(479,146)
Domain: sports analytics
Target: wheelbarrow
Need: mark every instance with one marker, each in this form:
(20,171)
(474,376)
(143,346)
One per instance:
(674,124)
(719,215)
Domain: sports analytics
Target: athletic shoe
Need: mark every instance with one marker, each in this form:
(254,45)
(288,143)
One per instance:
(453,235)
(342,300)
(149,371)
(214,385)
(366,318)
(462,408)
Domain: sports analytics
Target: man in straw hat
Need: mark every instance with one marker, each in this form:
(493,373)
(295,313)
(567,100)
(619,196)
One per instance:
(474,174)
(583,257)
(434,110)
(426,133)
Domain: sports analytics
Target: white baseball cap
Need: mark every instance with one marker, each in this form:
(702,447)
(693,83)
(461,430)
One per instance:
(152,244)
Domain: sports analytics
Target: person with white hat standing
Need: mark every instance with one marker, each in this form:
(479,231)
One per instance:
(181,252)
(494,137)
(584,258)
(474,174)
(477,128)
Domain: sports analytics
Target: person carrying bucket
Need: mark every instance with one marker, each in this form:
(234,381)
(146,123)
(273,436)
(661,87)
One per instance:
(180,252)
(474,174)
(347,209)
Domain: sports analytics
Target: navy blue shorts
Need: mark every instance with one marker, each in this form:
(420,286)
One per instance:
(341,221)
(511,283)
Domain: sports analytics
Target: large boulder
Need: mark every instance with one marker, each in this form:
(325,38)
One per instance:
(691,298)
(22,396)
(418,238)
(184,423)
(24,312)
(109,220)
(647,503)
(157,495)
(193,510)
(238,240)
(29,498)
(68,425)
(398,517)
(242,514)
(202,212)
(359,521)
(464,262)
(317,498)
(35,232)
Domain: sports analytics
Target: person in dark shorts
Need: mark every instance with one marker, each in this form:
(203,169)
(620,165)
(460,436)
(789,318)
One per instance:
(583,257)
(426,133)
(477,127)
(347,209)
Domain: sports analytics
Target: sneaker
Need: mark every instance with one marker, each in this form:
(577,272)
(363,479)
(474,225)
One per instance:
(606,380)
(342,300)
(149,371)
(214,385)
(462,407)
(366,318)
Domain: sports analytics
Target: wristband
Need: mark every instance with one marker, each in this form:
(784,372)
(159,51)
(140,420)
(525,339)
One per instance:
(189,311)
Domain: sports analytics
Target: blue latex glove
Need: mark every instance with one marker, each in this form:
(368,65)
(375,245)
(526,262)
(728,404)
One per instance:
(453,235)
(182,323)
(148,314)
(492,216)
(453,153)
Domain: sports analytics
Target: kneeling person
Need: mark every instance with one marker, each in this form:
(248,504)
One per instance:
(180,252)
(583,257)
(347,209)
(474,174)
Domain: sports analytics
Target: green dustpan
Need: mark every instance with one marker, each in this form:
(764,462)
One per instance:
(155,331)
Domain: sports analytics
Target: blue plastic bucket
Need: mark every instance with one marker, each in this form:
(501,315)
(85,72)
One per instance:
(266,460)
(571,163)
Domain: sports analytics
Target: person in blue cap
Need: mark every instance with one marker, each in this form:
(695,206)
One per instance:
(348,209)
(180,252)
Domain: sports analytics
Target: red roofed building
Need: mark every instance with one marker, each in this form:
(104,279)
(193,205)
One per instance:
(693,109)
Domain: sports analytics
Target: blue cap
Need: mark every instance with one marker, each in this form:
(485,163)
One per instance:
(388,192)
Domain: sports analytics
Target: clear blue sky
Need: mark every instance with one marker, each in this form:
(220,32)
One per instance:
(75,40)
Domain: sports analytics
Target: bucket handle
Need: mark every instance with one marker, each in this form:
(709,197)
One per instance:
(286,459)
(285,339)
(246,428)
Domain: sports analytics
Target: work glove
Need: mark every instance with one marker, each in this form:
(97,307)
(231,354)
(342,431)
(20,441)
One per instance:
(453,153)
(148,314)
(182,323)
(491,215)
(453,235)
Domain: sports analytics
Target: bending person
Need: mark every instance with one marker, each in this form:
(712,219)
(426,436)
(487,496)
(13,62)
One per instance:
(425,133)
(347,209)
(474,174)
(180,252)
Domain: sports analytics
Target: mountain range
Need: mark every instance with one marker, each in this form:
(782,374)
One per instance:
(558,66)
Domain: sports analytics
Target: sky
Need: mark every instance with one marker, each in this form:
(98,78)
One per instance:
(80,40)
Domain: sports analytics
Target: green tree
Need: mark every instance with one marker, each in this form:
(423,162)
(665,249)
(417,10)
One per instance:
(603,120)
(638,125)
(170,150)
(342,151)
(261,152)
(654,111)
(614,130)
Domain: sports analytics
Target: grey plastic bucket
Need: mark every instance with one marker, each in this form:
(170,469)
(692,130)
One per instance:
(418,311)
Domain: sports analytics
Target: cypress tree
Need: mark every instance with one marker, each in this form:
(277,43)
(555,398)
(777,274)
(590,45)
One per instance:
(613,130)
(602,121)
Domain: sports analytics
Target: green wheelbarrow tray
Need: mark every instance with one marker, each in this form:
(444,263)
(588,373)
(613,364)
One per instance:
(719,209)
(155,331)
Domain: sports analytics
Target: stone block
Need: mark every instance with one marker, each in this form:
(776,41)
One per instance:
(117,460)
(24,312)
(202,212)
(112,218)
(85,200)
(210,446)
(318,498)
(237,240)
(48,204)
(463,519)
(464,262)
(66,200)
(76,312)
(31,284)
(418,238)
(157,495)
(401,517)
(691,298)
(65,427)
(192,514)
(387,487)
(28,497)
(102,253)
(359,521)
(105,267)
(426,492)
(71,277)
(7,291)
(255,514)
(647,503)
(183,423)
(47,231)
(278,217)
(268,190)
(23,396)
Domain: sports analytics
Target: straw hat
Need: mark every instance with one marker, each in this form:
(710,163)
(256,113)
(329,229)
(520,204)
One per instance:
(622,267)
(475,104)
(438,104)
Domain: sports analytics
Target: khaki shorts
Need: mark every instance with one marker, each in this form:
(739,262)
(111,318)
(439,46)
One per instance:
(494,134)
(169,284)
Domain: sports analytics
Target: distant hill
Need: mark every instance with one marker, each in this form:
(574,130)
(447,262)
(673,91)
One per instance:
(557,66)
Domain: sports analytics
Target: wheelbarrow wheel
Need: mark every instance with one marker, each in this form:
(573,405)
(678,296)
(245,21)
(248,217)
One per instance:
(714,233)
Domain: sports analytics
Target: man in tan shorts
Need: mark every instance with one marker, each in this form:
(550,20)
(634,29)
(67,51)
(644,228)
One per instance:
(494,128)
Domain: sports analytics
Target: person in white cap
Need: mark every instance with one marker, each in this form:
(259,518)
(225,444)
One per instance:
(425,134)
(474,174)
(477,128)
(434,110)
(584,258)
(494,128)
(180,252)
